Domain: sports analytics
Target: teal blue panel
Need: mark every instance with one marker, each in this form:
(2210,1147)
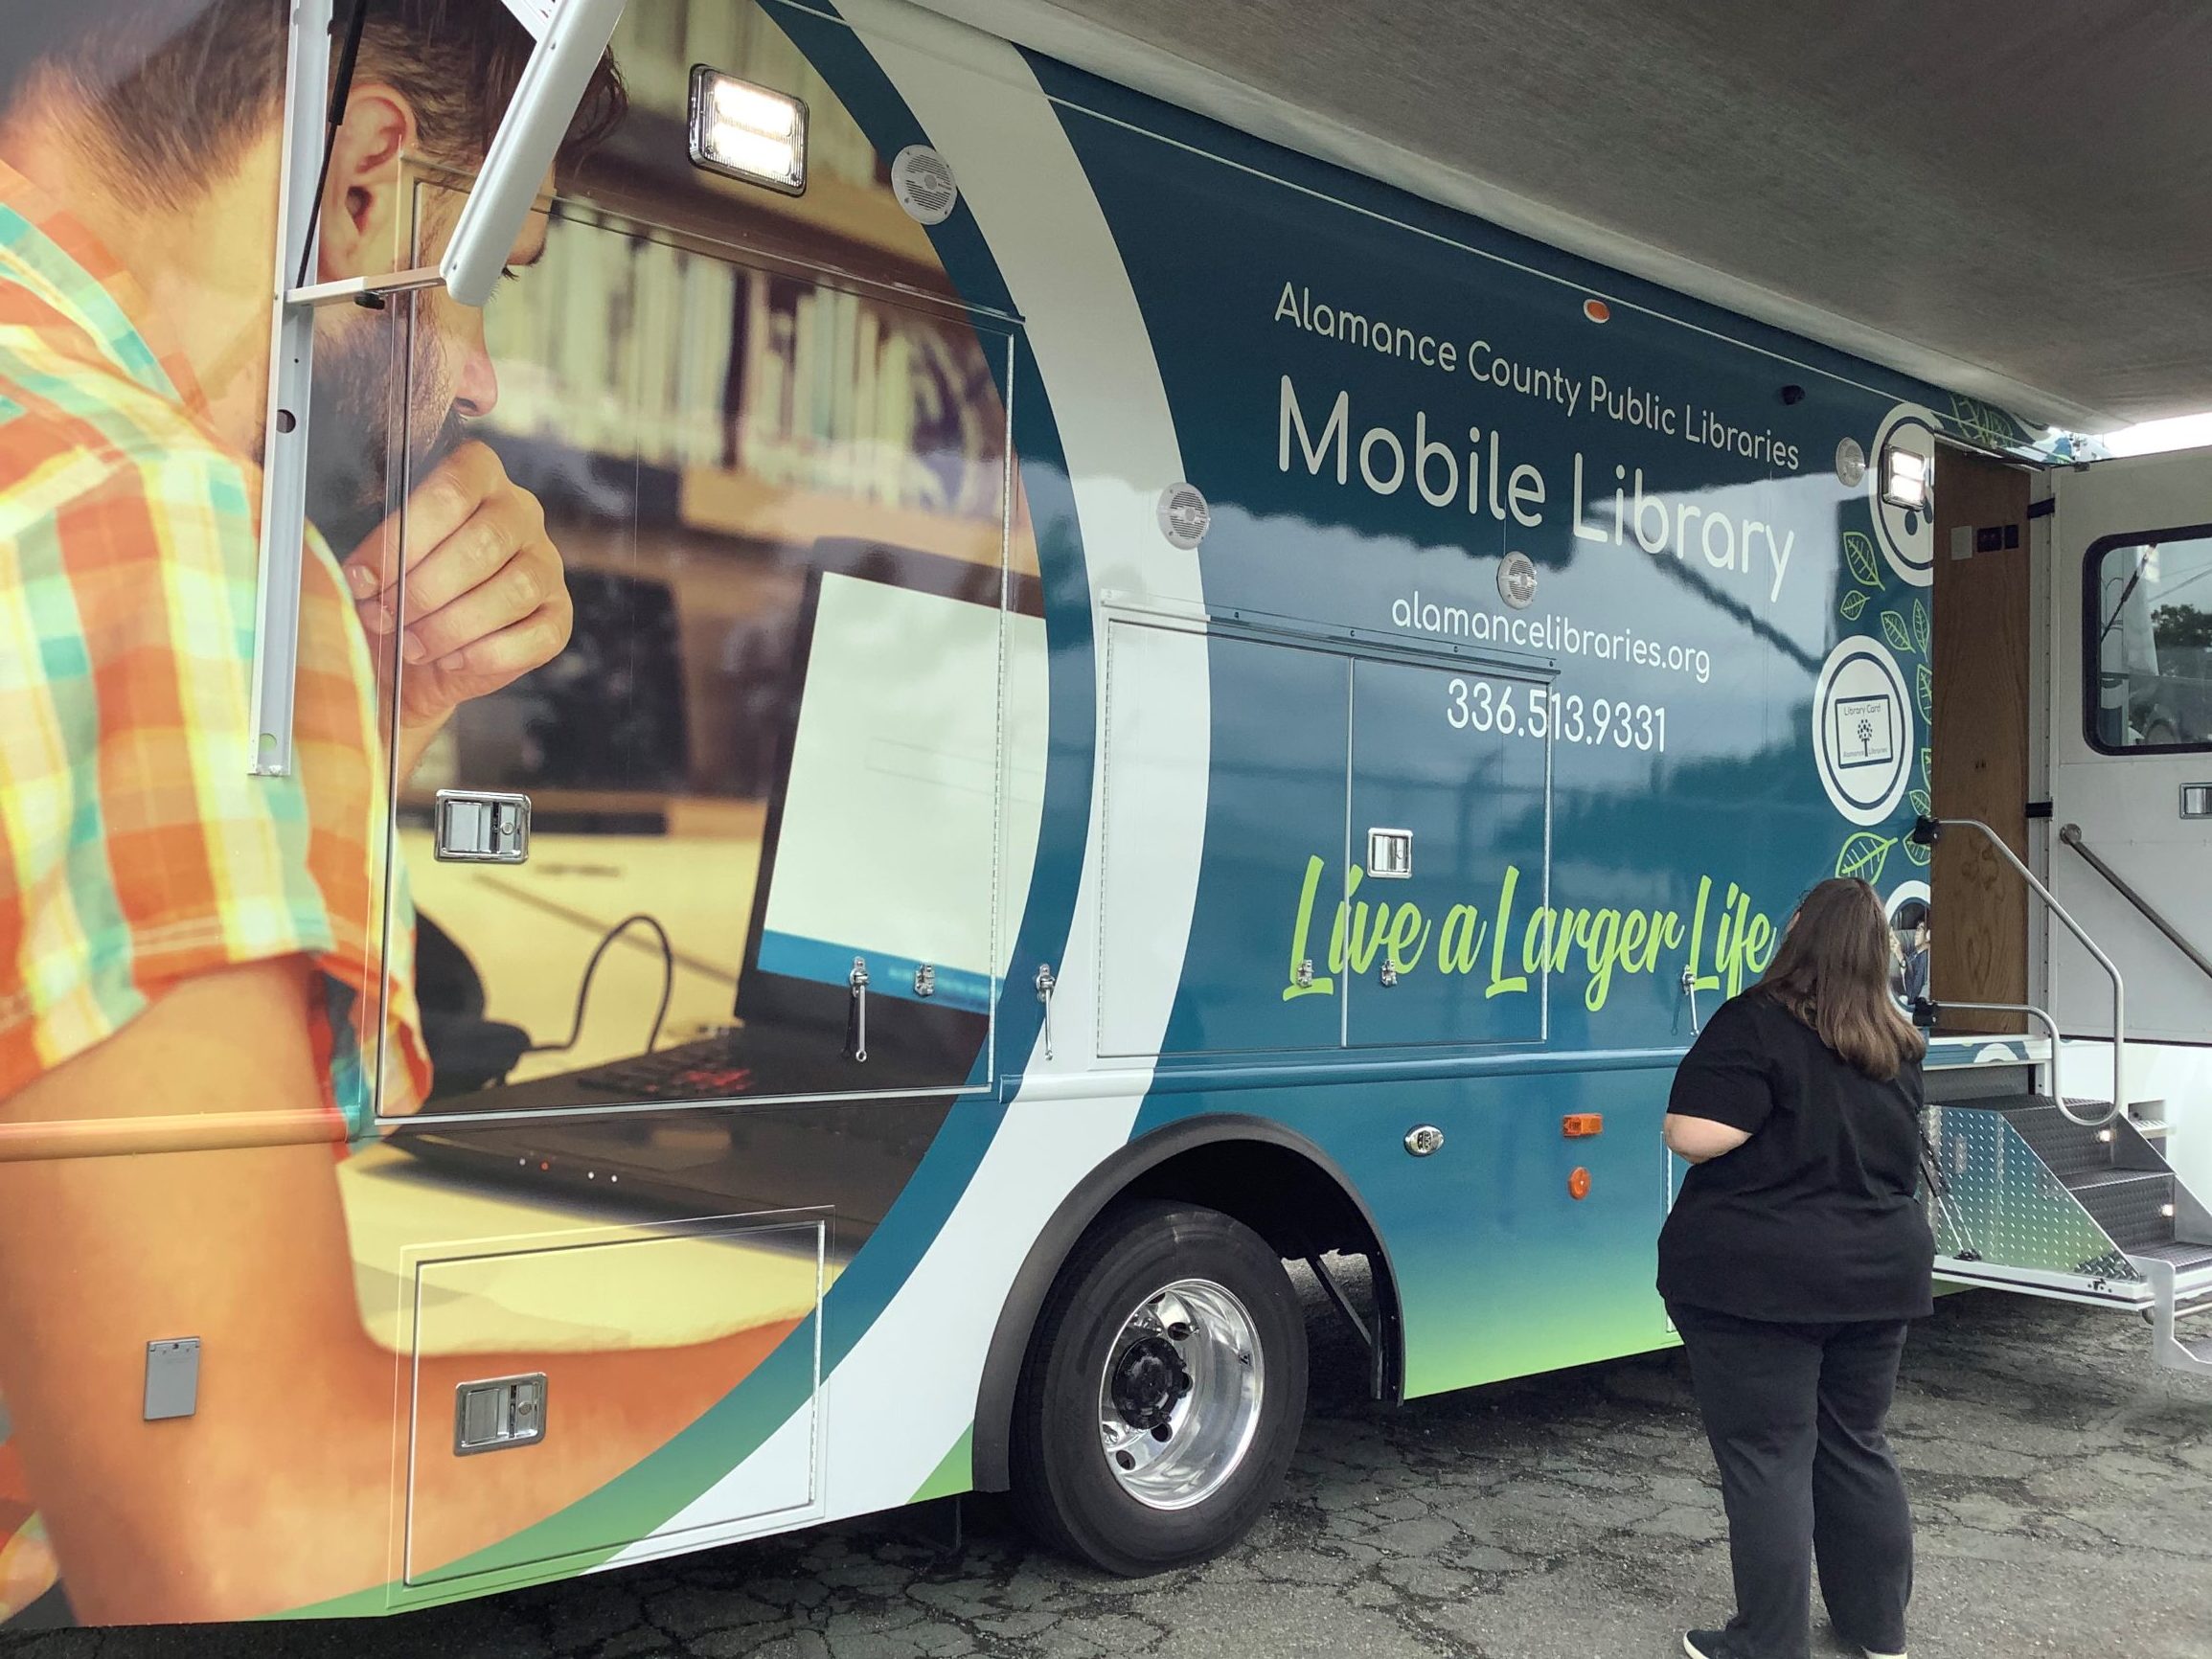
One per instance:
(1454,759)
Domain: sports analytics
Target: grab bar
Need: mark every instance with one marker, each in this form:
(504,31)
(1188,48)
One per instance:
(1926,832)
(2071,835)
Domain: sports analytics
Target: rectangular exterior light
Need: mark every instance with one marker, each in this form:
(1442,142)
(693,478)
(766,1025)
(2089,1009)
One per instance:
(749,132)
(1904,478)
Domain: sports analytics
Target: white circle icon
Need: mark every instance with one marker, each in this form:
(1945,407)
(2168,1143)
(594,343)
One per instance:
(1902,894)
(1907,535)
(1862,731)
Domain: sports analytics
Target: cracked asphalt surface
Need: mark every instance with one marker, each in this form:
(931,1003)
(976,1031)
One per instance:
(2062,1485)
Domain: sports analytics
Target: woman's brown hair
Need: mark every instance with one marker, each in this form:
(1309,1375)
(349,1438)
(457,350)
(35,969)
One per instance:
(1833,971)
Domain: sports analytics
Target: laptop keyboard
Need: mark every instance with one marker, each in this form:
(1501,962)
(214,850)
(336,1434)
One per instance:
(680,1074)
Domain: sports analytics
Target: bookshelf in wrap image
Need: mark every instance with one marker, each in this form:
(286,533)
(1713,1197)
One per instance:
(625,343)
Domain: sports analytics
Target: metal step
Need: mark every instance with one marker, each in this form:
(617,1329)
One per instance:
(2043,1207)
(2068,1148)
(2135,1207)
(2185,1258)
(2148,1118)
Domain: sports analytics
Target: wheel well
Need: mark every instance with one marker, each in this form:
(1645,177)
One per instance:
(1281,1194)
(1274,1181)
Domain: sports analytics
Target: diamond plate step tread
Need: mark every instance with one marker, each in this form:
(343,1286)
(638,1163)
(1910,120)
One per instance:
(2130,1205)
(2150,1129)
(2186,1258)
(2045,1104)
(2068,1149)
(2117,1180)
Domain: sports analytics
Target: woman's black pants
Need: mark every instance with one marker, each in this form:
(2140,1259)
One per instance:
(1794,1413)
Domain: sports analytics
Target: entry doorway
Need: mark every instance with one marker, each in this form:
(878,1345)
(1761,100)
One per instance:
(1979,912)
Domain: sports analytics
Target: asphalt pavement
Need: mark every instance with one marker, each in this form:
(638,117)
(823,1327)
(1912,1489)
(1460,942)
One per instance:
(2063,1487)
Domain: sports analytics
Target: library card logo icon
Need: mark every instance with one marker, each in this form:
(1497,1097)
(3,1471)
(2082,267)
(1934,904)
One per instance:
(923,181)
(1862,731)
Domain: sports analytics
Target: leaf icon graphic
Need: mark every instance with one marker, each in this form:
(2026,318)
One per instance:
(1858,554)
(1854,602)
(1922,805)
(1924,683)
(1893,630)
(1927,769)
(1920,631)
(1865,856)
(1915,851)
(1984,422)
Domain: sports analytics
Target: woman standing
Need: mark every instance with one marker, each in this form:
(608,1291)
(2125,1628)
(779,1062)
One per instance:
(1792,1260)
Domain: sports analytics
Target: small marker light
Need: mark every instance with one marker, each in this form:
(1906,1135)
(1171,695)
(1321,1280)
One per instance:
(747,131)
(1597,311)
(1579,1184)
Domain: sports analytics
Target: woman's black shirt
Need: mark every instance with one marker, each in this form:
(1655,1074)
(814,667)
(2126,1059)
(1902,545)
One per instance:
(1816,1217)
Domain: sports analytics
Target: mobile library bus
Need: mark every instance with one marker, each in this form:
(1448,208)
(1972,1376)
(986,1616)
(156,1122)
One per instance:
(776,871)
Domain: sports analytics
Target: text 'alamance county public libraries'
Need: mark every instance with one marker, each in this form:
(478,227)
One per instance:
(1387,461)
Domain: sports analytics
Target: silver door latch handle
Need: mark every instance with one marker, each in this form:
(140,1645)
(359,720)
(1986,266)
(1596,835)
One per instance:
(856,1032)
(1046,985)
(473,826)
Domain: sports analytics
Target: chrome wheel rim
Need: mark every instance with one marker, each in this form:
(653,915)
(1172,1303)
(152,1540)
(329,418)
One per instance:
(1180,1393)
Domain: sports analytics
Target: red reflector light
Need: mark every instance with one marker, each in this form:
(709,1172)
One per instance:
(1597,311)
(1579,1184)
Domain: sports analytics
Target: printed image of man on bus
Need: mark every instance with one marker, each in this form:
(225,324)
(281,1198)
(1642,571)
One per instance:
(181,941)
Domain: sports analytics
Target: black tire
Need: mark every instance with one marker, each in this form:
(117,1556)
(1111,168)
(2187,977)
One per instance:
(1062,1485)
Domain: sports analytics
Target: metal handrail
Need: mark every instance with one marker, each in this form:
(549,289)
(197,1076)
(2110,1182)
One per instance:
(2071,835)
(1925,833)
(2049,1025)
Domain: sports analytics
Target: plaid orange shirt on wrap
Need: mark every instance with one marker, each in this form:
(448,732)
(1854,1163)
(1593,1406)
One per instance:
(135,850)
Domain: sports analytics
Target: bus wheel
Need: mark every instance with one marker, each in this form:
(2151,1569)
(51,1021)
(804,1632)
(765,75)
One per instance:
(1163,1393)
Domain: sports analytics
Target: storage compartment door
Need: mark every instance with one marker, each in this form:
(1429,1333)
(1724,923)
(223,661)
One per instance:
(519,1461)
(1270,764)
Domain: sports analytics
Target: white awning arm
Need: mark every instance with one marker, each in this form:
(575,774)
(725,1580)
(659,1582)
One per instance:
(572,36)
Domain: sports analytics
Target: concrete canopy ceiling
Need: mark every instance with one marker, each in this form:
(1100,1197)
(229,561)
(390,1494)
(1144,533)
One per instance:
(2013,199)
